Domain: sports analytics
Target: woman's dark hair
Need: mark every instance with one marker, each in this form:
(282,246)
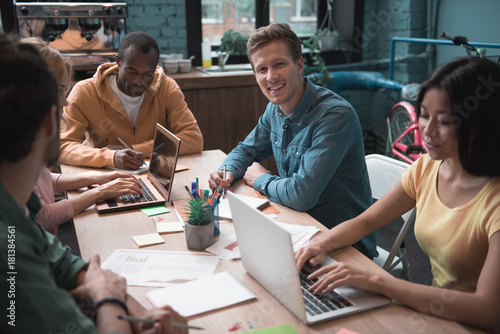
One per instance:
(472,85)
(28,89)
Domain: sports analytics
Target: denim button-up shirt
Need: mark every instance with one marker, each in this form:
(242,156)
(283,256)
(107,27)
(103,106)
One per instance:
(320,158)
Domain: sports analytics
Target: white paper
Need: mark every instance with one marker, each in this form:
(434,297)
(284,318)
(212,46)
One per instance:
(160,268)
(143,169)
(301,235)
(255,202)
(227,247)
(205,294)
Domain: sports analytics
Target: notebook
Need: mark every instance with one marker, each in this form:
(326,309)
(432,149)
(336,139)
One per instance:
(267,255)
(157,183)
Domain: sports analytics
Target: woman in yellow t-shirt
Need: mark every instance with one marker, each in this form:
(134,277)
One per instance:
(456,190)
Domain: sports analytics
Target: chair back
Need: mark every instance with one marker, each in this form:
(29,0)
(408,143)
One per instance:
(384,173)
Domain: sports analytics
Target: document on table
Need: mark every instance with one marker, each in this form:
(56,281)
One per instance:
(256,202)
(227,246)
(300,234)
(205,294)
(160,268)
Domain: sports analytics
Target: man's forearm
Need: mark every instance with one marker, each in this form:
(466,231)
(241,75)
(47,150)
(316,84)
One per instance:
(135,309)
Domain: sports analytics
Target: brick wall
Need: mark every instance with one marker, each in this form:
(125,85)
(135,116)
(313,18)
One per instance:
(165,20)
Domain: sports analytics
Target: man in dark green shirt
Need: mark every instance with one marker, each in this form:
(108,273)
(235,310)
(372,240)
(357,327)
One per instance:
(39,278)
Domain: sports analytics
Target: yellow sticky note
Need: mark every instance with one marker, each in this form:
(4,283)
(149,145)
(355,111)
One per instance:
(169,227)
(148,239)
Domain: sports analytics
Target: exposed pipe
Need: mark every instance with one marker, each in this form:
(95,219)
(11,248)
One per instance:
(385,61)
(429,41)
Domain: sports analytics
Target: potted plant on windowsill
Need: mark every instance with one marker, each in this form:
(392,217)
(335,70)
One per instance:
(326,38)
(235,44)
(314,62)
(199,227)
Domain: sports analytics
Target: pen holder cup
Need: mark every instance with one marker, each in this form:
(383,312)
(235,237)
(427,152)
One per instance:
(215,214)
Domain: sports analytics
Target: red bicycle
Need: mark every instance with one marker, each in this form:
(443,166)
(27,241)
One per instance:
(404,140)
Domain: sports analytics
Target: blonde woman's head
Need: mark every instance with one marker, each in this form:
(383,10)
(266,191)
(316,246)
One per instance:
(61,66)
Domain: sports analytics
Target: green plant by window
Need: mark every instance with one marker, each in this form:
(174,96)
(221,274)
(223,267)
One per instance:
(317,62)
(234,42)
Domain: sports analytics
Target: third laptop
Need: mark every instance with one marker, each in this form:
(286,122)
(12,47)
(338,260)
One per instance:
(267,255)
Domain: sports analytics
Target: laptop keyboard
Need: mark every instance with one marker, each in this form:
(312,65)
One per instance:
(147,195)
(322,303)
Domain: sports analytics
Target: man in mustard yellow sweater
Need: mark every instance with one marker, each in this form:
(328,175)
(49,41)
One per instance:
(125,99)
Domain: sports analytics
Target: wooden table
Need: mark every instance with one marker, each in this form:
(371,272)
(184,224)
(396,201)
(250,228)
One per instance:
(102,234)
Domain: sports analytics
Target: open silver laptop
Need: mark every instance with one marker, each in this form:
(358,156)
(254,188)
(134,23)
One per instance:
(157,183)
(267,255)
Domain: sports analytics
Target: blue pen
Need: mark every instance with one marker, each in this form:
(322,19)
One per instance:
(194,190)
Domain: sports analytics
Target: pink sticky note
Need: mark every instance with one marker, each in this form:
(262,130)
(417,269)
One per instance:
(346,331)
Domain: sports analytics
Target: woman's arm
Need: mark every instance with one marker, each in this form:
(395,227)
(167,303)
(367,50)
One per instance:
(391,206)
(111,185)
(480,308)
(108,190)
(73,182)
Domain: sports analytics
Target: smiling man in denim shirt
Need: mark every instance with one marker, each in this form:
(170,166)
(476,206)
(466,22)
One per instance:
(314,135)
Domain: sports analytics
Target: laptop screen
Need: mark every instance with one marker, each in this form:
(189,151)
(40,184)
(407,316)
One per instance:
(163,160)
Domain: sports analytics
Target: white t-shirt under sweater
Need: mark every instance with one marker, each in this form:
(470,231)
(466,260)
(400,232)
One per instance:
(130,104)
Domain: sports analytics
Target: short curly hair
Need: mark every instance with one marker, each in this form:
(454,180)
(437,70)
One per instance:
(140,40)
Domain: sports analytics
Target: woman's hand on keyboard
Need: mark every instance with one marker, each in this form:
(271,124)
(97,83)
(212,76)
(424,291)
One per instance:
(339,274)
(118,187)
(313,254)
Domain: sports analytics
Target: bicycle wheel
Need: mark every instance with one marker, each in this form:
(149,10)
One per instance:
(399,120)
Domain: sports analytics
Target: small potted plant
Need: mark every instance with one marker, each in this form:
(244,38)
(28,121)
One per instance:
(326,38)
(235,44)
(199,227)
(315,63)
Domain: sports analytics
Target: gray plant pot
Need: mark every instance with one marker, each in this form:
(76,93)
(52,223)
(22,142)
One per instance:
(199,237)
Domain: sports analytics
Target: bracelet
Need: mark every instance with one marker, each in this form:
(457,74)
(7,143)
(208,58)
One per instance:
(111,300)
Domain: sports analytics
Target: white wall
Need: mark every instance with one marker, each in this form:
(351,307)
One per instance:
(479,20)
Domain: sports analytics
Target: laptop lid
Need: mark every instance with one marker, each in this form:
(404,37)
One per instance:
(267,255)
(159,178)
(164,157)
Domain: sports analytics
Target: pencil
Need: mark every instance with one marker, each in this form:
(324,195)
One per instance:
(129,147)
(224,176)
(124,143)
(187,189)
(151,321)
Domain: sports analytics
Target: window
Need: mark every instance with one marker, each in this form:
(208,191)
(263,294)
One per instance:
(219,16)
(211,18)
